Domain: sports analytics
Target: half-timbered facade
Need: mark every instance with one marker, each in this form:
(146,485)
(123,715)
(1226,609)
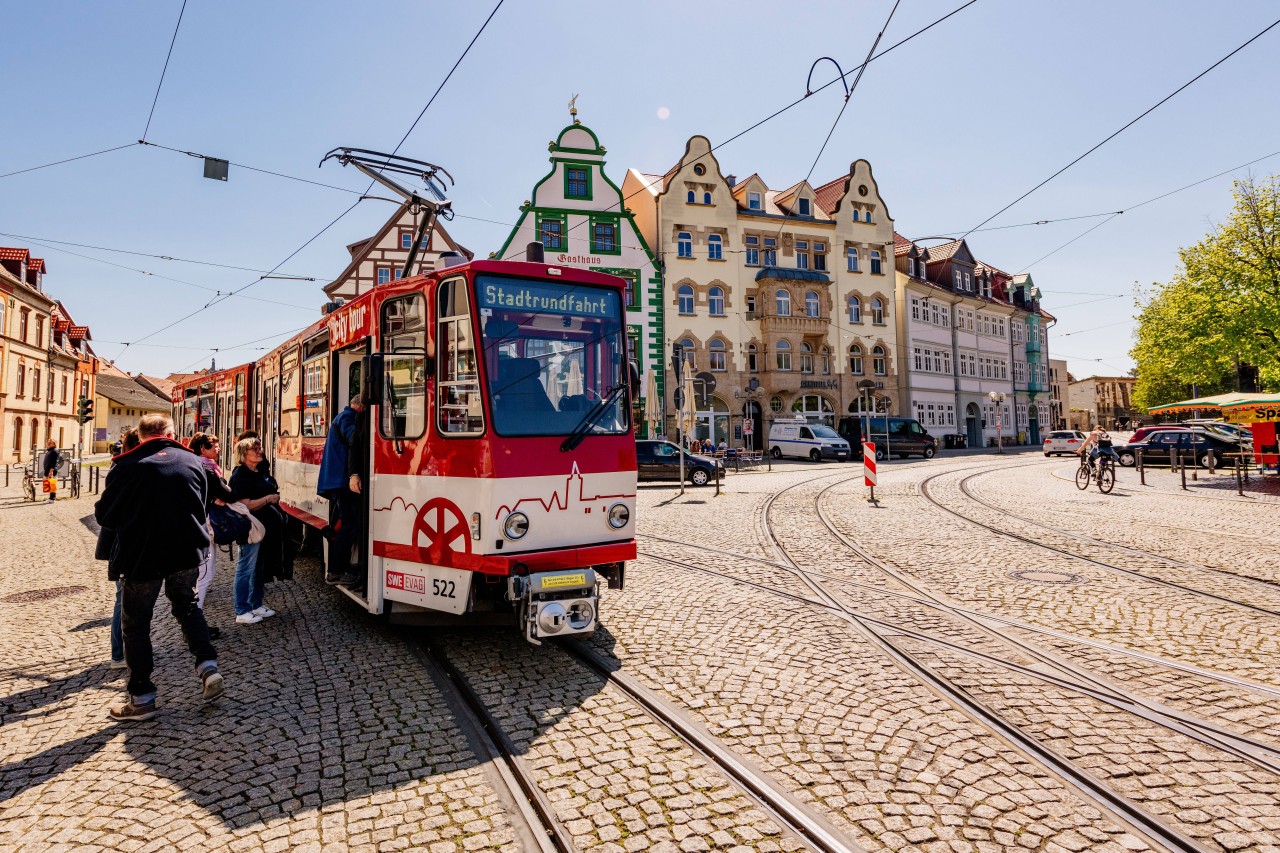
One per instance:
(381,258)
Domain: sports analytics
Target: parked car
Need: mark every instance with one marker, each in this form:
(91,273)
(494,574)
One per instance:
(798,438)
(1160,444)
(1222,429)
(902,437)
(660,460)
(1063,441)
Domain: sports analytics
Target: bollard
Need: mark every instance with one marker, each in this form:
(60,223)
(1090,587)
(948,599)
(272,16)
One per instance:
(1195,467)
(1213,461)
(1182,466)
(1239,479)
(1142,472)
(717,481)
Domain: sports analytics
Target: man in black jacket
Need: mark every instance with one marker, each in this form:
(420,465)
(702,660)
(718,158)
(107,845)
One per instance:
(156,500)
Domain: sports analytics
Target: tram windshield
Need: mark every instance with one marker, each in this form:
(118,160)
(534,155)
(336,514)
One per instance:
(553,352)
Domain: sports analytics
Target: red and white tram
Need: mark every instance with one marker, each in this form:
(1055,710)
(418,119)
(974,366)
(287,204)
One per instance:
(502,455)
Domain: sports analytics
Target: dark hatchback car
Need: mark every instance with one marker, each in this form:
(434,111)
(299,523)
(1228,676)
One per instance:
(660,460)
(1159,446)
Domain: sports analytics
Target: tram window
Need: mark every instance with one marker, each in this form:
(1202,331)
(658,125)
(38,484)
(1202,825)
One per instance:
(403,409)
(459,407)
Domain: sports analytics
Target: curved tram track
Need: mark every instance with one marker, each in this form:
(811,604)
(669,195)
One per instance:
(538,813)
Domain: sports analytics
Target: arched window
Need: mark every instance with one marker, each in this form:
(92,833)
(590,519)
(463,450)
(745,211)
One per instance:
(826,361)
(875,263)
(877,312)
(806,358)
(815,409)
(692,197)
(717,355)
(855,360)
(706,198)
(811,303)
(855,309)
(784,355)
(868,216)
(753,365)
(878,362)
(17,436)
(684,244)
(715,247)
(715,299)
(684,296)
(690,354)
(852,255)
(783,301)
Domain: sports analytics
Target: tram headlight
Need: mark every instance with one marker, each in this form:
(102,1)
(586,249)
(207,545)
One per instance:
(619,515)
(516,526)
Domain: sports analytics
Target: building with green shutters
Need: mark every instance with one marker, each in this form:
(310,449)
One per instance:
(582,220)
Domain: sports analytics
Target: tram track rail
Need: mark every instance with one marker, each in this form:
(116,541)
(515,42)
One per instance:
(926,493)
(538,814)
(542,829)
(880,635)
(968,491)
(1272,691)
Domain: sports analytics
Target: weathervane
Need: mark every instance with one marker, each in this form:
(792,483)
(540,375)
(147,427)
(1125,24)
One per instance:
(573,110)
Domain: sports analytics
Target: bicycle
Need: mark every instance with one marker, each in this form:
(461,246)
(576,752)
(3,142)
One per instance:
(1105,473)
(29,483)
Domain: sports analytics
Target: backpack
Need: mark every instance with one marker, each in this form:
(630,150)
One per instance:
(228,525)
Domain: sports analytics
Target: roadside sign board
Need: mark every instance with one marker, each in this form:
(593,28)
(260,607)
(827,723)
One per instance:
(869,463)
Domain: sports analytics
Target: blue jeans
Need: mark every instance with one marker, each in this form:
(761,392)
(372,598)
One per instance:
(248,585)
(117,632)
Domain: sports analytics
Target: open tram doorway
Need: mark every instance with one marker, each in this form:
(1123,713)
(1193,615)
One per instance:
(345,384)
(973,425)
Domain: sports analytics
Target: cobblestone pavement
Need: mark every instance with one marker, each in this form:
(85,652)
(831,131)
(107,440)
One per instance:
(334,734)
(331,735)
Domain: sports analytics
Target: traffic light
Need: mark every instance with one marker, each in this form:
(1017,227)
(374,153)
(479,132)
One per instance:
(84,406)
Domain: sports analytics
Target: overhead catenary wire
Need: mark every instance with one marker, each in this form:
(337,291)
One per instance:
(1127,125)
(68,160)
(164,70)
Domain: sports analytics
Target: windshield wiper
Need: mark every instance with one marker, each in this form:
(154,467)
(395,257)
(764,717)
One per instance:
(589,419)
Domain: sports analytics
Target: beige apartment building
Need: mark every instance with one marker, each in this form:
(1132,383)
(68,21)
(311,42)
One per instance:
(1106,401)
(782,299)
(1059,379)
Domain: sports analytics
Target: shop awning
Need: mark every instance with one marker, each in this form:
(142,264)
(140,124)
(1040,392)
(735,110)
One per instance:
(1253,409)
(1217,401)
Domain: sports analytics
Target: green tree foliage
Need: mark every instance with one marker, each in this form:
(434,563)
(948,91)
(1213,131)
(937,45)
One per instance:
(1221,308)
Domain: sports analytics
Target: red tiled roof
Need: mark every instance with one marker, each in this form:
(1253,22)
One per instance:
(78,333)
(830,193)
(899,240)
(993,270)
(36,265)
(8,254)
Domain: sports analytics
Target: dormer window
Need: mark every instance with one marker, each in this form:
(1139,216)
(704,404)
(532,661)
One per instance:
(753,201)
(802,207)
(968,281)
(957,278)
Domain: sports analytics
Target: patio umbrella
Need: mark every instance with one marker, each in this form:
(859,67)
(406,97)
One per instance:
(573,385)
(689,418)
(652,404)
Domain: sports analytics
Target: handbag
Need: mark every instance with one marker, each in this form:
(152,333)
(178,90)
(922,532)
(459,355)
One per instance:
(49,484)
(228,524)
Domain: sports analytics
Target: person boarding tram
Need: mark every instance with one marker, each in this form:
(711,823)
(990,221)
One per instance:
(339,482)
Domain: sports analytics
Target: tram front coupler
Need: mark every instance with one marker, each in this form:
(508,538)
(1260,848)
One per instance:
(555,604)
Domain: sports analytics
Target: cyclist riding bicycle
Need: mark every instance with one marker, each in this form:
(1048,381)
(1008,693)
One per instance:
(1098,443)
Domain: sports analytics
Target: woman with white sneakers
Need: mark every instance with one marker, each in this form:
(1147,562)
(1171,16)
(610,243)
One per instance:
(257,490)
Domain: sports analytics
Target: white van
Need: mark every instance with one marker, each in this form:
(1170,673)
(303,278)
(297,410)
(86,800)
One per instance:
(800,439)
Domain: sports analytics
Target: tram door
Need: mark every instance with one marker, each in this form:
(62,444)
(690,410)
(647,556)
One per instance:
(345,373)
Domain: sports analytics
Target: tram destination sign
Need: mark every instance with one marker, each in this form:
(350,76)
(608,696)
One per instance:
(515,295)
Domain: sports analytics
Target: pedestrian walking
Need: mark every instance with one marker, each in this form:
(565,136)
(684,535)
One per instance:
(206,447)
(49,467)
(155,499)
(257,490)
(128,441)
(339,483)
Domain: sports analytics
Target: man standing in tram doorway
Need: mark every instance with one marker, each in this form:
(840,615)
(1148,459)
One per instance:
(340,484)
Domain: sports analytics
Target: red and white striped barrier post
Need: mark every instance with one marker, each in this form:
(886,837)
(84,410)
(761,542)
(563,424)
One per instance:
(869,467)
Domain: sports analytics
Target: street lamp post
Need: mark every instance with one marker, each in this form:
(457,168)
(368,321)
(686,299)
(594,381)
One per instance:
(997,397)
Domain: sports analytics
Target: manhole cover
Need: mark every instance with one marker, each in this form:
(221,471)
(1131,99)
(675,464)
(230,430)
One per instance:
(1045,576)
(33,595)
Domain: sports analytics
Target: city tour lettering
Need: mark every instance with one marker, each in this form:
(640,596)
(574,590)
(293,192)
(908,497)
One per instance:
(525,297)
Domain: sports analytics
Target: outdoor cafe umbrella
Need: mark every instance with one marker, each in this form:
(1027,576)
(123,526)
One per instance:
(573,385)
(652,405)
(688,416)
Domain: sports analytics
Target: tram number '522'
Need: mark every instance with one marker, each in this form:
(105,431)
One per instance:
(435,587)
(417,583)
(443,589)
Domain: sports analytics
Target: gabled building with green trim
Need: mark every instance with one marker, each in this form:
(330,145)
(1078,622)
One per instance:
(582,220)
